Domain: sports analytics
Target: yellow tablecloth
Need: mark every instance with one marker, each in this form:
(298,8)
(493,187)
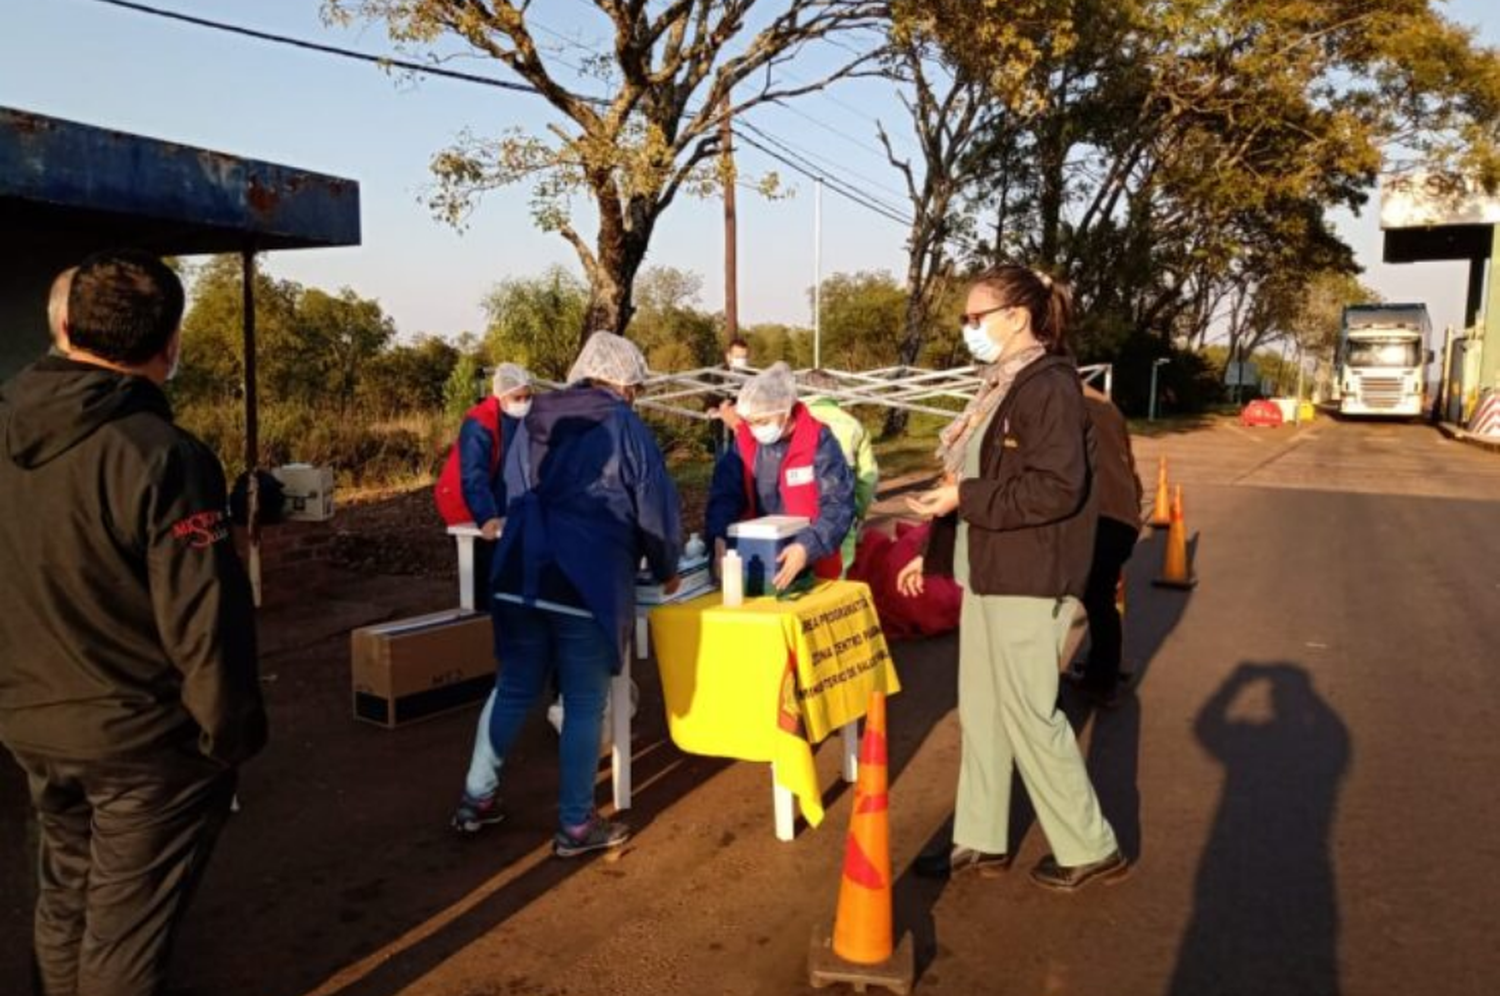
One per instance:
(767,680)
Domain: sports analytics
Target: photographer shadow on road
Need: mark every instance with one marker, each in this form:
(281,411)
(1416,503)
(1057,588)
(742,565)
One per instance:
(1265,916)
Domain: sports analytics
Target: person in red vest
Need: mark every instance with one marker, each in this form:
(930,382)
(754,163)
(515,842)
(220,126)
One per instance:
(471,488)
(784,462)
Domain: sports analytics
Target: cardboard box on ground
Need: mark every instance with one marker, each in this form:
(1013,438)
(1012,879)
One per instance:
(306,492)
(412,669)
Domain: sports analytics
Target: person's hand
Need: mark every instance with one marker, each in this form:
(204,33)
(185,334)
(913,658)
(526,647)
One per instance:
(935,503)
(728,415)
(491,529)
(792,560)
(670,585)
(909,580)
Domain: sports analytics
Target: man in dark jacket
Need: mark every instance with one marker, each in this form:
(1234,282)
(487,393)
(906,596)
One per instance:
(1119,526)
(128,685)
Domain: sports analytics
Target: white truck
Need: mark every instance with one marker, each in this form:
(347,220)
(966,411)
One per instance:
(1382,360)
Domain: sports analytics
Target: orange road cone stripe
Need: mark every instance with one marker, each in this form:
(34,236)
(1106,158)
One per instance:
(872,750)
(873,804)
(859,869)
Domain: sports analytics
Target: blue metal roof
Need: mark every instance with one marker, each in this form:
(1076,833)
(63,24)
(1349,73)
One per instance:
(125,189)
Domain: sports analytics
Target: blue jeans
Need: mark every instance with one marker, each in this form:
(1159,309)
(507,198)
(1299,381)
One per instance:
(531,643)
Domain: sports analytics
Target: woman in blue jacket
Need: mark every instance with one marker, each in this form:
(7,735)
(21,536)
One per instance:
(589,499)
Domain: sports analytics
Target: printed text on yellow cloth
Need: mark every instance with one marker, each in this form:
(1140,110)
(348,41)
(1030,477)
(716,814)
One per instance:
(767,680)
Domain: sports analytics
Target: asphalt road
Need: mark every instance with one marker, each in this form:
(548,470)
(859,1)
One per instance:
(1303,779)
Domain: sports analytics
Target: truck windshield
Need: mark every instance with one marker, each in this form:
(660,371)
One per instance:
(1384,353)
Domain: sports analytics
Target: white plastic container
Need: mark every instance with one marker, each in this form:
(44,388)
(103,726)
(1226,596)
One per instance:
(731,572)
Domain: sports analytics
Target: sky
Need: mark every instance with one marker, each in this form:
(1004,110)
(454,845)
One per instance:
(101,65)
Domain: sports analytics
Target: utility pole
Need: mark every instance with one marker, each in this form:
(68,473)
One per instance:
(818,273)
(731,237)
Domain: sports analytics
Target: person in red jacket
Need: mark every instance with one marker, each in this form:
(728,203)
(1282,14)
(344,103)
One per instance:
(784,462)
(471,488)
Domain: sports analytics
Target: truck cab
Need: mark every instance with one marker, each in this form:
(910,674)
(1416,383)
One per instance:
(1383,359)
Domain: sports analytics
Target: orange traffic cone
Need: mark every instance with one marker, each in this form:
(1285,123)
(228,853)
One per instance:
(1161,509)
(1175,572)
(860,950)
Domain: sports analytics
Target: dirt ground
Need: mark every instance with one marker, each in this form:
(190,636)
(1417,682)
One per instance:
(1302,779)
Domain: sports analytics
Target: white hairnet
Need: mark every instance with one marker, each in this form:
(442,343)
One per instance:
(769,392)
(509,378)
(611,358)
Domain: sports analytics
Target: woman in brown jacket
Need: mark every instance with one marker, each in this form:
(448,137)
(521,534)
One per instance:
(1014,524)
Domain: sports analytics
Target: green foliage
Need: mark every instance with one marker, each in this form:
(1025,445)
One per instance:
(534,321)
(311,346)
(463,389)
(364,452)
(770,342)
(668,326)
(407,377)
(1178,159)
(863,319)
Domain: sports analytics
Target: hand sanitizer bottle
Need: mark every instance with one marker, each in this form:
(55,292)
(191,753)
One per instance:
(695,547)
(731,571)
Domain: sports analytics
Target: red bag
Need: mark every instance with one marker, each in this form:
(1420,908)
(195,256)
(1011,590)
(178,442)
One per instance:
(878,561)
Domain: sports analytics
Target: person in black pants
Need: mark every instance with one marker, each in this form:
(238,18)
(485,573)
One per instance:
(1119,526)
(129,693)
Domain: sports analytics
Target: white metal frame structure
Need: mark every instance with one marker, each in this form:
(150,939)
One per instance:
(913,389)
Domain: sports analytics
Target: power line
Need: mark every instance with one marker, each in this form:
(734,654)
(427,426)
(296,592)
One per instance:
(813,173)
(835,164)
(346,53)
(809,167)
(789,157)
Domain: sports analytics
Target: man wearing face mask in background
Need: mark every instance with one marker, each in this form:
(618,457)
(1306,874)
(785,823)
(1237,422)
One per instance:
(128,684)
(784,462)
(737,359)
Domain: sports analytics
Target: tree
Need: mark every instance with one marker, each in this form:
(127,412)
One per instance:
(673,69)
(534,322)
(310,345)
(947,109)
(339,336)
(463,388)
(668,326)
(863,318)
(773,341)
(213,345)
(1183,155)
(408,377)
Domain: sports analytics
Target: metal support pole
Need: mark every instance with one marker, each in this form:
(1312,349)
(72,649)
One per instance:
(731,237)
(1297,408)
(252,421)
(1151,408)
(818,273)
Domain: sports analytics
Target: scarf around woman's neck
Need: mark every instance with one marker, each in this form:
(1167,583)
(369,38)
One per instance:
(953,442)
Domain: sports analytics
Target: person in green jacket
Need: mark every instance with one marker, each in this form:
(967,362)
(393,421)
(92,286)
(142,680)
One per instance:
(854,440)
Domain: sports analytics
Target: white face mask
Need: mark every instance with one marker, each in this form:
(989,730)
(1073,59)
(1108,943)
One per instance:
(981,346)
(516,409)
(739,362)
(767,433)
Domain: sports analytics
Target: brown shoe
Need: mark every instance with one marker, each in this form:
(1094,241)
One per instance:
(1059,878)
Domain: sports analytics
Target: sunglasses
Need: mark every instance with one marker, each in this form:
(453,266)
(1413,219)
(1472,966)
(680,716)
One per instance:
(973,317)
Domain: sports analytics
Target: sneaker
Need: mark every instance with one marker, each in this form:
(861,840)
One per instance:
(598,834)
(474,814)
(1063,878)
(956,859)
